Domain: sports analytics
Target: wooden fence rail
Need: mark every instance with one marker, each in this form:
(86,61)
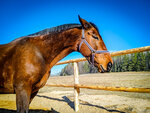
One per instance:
(118,53)
(76,85)
(125,89)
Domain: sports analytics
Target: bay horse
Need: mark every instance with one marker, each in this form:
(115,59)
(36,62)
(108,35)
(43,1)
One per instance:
(25,63)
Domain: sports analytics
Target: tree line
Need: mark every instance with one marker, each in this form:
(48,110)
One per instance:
(130,62)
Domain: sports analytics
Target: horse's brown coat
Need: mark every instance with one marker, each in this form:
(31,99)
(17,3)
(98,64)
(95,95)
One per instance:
(25,63)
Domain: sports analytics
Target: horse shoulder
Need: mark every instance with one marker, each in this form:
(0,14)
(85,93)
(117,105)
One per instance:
(36,68)
(6,70)
(29,63)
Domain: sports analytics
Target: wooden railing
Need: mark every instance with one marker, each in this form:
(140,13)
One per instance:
(118,53)
(77,86)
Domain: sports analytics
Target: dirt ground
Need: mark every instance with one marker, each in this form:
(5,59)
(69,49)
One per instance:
(60,100)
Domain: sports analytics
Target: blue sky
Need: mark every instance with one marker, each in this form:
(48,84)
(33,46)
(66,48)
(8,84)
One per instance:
(123,24)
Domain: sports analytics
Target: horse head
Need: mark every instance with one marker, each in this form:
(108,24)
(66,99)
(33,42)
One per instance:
(93,47)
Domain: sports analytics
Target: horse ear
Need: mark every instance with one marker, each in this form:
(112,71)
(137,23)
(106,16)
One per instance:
(84,23)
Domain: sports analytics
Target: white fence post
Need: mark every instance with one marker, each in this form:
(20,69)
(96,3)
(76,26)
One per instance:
(76,89)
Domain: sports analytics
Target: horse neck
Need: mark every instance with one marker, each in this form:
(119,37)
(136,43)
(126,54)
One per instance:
(54,47)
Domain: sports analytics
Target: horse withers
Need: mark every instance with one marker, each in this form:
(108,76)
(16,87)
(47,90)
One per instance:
(25,63)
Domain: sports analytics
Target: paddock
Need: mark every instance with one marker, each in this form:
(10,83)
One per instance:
(55,98)
(77,86)
(61,99)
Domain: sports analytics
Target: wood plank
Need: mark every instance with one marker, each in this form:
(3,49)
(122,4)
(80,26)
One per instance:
(124,89)
(76,89)
(118,53)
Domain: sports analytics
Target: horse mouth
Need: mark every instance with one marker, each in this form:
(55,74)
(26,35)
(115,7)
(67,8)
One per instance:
(102,70)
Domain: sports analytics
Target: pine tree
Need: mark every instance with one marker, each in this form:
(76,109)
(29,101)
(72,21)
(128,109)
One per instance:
(114,64)
(125,63)
(134,62)
(147,61)
(130,66)
(139,61)
(142,61)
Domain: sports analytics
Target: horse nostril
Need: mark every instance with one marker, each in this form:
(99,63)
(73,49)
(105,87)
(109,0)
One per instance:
(109,65)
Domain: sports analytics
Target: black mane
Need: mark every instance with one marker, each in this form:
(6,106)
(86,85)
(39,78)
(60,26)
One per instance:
(60,29)
(56,29)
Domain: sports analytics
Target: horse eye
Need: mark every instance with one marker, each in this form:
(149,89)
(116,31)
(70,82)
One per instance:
(96,37)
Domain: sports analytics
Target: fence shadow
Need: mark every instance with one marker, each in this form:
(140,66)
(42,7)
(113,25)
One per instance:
(2,110)
(101,107)
(71,103)
(65,99)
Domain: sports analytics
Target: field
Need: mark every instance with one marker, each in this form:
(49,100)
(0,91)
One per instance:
(60,100)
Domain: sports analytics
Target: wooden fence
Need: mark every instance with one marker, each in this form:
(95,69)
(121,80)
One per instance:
(77,86)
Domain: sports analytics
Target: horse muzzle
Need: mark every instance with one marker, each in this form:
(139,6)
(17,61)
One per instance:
(109,66)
